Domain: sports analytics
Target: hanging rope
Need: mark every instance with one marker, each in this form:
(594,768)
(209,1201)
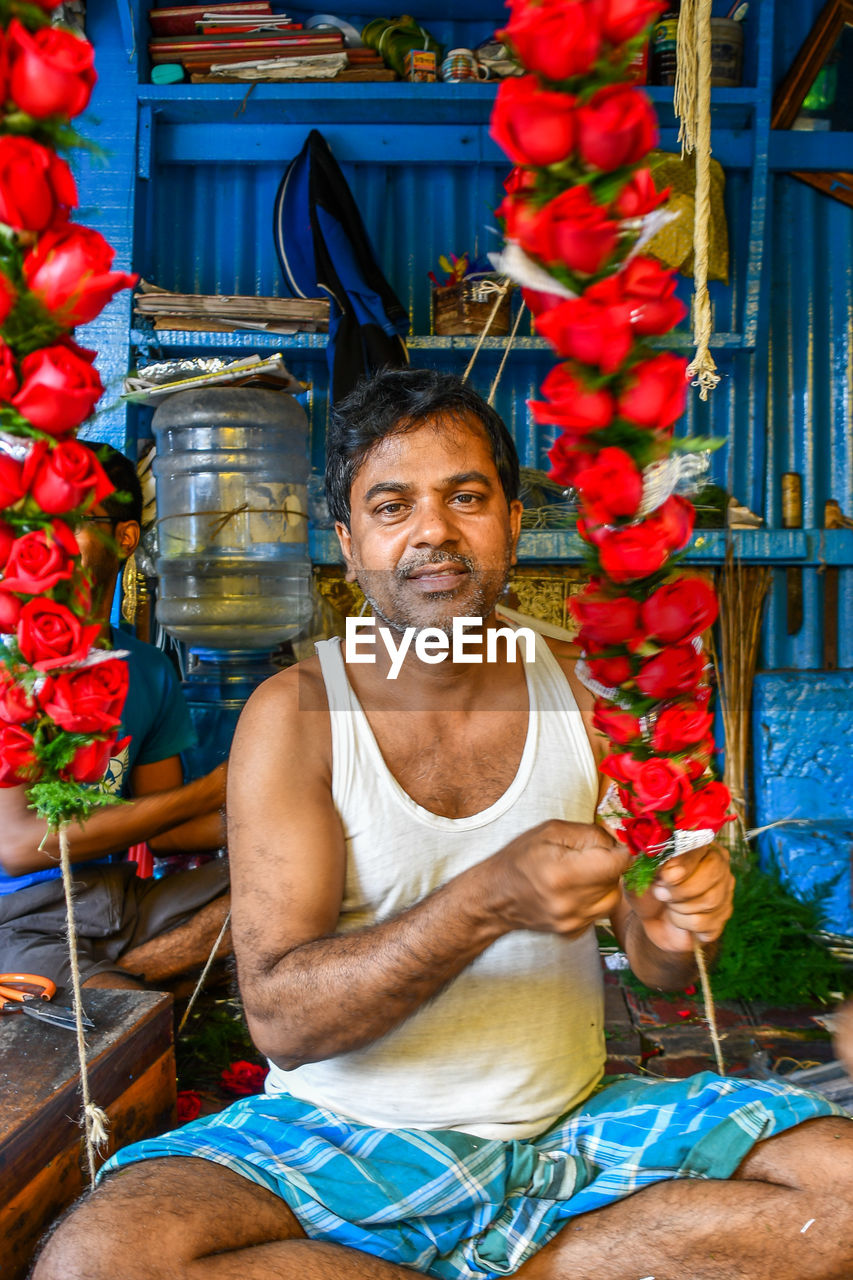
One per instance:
(692,101)
(710,1008)
(94,1120)
(204,972)
(499,297)
(507,349)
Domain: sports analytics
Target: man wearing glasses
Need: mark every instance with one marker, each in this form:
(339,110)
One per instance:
(131,931)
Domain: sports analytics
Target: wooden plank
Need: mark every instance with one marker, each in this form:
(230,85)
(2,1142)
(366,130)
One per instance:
(39,1095)
(146,1107)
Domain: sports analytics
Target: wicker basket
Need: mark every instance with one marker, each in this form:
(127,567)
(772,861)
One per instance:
(466,307)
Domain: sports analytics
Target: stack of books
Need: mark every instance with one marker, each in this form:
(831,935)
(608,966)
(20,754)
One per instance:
(223,314)
(201,36)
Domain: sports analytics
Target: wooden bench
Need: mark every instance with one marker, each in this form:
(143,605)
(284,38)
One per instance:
(42,1158)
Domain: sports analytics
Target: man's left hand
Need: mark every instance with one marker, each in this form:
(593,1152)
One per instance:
(691,897)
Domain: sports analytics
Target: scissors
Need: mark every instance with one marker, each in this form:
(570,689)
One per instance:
(27,993)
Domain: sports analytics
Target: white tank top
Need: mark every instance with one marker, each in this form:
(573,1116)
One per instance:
(515,1039)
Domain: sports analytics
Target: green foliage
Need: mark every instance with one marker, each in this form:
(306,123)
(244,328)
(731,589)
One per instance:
(768,952)
(641,873)
(215,1035)
(58,802)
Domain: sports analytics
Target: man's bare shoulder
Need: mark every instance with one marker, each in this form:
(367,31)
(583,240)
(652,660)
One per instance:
(289,715)
(293,690)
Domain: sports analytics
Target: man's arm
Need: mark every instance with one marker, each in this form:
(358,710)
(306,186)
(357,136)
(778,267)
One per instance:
(106,830)
(204,831)
(310,994)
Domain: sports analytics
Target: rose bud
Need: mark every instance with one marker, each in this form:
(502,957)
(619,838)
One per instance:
(51,71)
(36,185)
(89,763)
(554,39)
(69,272)
(12,485)
(674,521)
(629,554)
(538,302)
(18,760)
(613,766)
(89,700)
(656,783)
(620,726)
(8,374)
(708,807)
(605,621)
(41,559)
(610,672)
(680,610)
(566,460)
(616,127)
(681,725)
(532,125)
(10,611)
(621,20)
(7,538)
(49,635)
(16,705)
(59,387)
(65,476)
(610,487)
(655,392)
(593,333)
(570,404)
(639,195)
(574,230)
(646,835)
(649,290)
(676,670)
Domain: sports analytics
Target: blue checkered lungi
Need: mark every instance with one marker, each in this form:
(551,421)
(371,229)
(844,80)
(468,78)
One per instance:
(459,1207)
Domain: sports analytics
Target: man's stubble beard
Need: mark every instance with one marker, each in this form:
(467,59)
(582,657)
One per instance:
(488,587)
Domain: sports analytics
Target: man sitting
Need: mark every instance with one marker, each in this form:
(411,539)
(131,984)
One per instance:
(416,874)
(130,931)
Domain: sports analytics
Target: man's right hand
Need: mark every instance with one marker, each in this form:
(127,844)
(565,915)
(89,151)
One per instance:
(559,877)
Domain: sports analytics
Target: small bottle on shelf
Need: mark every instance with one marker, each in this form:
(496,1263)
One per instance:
(664,42)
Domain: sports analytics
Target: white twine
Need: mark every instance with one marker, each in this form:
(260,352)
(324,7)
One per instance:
(494,311)
(204,973)
(94,1120)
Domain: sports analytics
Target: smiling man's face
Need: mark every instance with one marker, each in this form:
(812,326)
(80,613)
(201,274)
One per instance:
(431,535)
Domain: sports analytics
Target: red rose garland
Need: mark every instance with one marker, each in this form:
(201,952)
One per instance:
(577,204)
(60,700)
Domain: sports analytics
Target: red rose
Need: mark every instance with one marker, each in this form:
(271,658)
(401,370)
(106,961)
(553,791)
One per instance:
(708,807)
(18,760)
(90,762)
(649,290)
(537,301)
(631,553)
(59,387)
(586,330)
(554,39)
(532,125)
(244,1078)
(10,611)
(7,537)
(610,487)
(611,672)
(645,835)
(680,610)
(51,71)
(620,726)
(16,705)
(88,700)
(189,1105)
(656,783)
(8,374)
(676,670)
(570,404)
(36,185)
(616,127)
(49,635)
(39,560)
(639,195)
(613,766)
(571,229)
(674,522)
(566,460)
(622,19)
(65,476)
(604,622)
(655,392)
(12,485)
(518,180)
(681,725)
(69,271)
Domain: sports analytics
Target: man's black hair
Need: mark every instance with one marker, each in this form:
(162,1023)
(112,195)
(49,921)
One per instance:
(126,502)
(397,400)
